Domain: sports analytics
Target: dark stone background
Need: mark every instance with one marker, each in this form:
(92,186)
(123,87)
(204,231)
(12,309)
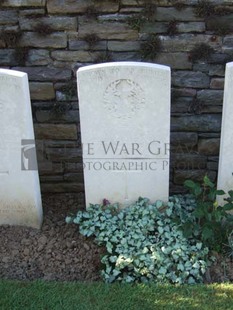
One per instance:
(51,39)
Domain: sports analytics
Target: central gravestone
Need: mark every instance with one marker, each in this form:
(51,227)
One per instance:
(20,199)
(225,169)
(125,129)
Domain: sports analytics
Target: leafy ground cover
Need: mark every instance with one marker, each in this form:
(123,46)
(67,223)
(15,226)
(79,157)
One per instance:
(172,242)
(99,296)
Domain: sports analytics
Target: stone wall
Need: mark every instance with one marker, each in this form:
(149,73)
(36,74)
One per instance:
(51,39)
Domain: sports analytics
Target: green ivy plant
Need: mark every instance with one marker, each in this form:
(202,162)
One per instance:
(144,242)
(211,222)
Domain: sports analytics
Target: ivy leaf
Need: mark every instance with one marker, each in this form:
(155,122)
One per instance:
(207,233)
(190,184)
(207,182)
(109,247)
(220,192)
(231,193)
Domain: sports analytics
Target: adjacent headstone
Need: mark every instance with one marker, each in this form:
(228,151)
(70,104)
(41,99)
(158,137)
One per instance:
(20,199)
(225,169)
(125,130)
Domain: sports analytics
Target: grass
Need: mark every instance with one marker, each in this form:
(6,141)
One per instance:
(99,296)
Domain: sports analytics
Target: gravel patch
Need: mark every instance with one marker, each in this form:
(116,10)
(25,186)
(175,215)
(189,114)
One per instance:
(56,252)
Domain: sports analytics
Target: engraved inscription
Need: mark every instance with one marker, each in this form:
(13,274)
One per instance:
(124,98)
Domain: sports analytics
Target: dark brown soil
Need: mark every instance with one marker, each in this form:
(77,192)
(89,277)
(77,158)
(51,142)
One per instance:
(59,252)
(221,270)
(56,252)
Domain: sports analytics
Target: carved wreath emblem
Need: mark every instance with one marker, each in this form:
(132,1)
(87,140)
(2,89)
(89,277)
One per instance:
(124,98)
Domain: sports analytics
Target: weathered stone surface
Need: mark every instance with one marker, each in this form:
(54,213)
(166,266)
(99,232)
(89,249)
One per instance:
(174,60)
(217,23)
(168,14)
(73,167)
(211,109)
(209,134)
(191,27)
(64,154)
(217,83)
(49,105)
(46,168)
(209,146)
(74,56)
(186,42)
(183,92)
(190,79)
(74,177)
(128,83)
(125,46)
(68,6)
(218,58)
(212,97)
(216,70)
(51,178)
(108,31)
(225,158)
(154,27)
(41,91)
(57,23)
(201,67)
(177,189)
(38,57)
(4,29)
(112,17)
(198,123)
(8,17)
(132,2)
(76,44)
(181,105)
(188,161)
(181,176)
(62,144)
(7,57)
(124,56)
(211,69)
(67,65)
(228,41)
(2,43)
(32,12)
(55,40)
(131,10)
(183,149)
(21,3)
(62,187)
(45,74)
(212,166)
(213,159)
(64,96)
(54,116)
(183,138)
(20,202)
(56,131)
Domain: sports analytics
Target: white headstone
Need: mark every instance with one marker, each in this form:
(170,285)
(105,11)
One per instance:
(125,129)
(225,169)
(20,199)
